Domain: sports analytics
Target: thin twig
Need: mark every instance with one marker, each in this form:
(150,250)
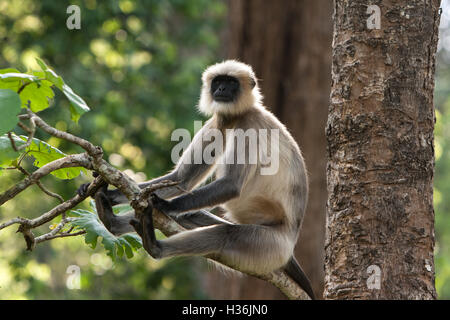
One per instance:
(92,150)
(22,156)
(66,205)
(60,235)
(13,221)
(40,185)
(76,160)
(23,116)
(26,224)
(146,192)
(55,232)
(30,132)
(13,143)
(50,193)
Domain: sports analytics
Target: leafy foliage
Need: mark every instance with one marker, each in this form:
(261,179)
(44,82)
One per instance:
(44,153)
(77,104)
(9,108)
(41,151)
(115,246)
(35,90)
(7,153)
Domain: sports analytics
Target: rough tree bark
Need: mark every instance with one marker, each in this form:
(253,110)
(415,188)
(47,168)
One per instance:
(288,43)
(380,151)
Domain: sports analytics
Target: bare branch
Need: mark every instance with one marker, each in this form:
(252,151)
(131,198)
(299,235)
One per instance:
(75,160)
(13,143)
(40,185)
(50,193)
(55,232)
(30,132)
(145,193)
(92,150)
(27,224)
(18,220)
(60,235)
(65,206)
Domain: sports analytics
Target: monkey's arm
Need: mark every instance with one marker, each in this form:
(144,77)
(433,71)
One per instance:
(120,224)
(210,195)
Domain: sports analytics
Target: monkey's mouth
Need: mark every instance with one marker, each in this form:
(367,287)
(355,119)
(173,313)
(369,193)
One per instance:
(223,98)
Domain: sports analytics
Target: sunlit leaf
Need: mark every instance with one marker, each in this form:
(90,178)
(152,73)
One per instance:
(44,153)
(36,96)
(13,83)
(7,153)
(51,75)
(77,104)
(13,76)
(9,108)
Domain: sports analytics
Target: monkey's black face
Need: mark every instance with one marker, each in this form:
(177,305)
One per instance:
(224,88)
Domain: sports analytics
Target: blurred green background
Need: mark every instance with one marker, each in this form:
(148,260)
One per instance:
(138,65)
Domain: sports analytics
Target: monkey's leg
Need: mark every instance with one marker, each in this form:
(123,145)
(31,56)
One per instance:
(116,224)
(251,248)
(195,219)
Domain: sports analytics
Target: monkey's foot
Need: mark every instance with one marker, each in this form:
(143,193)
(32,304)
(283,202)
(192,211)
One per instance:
(144,228)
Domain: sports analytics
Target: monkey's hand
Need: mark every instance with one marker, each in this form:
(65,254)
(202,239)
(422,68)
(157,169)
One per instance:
(162,205)
(82,190)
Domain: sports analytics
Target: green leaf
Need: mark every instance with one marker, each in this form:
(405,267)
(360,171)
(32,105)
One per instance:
(51,75)
(7,153)
(10,82)
(9,108)
(14,76)
(41,151)
(114,246)
(12,85)
(44,153)
(77,104)
(37,95)
(9,70)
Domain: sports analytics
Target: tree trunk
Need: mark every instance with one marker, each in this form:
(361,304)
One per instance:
(380,217)
(288,43)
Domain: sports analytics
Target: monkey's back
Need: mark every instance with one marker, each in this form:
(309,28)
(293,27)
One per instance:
(277,199)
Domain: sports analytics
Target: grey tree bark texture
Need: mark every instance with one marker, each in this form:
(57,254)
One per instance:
(288,43)
(380,217)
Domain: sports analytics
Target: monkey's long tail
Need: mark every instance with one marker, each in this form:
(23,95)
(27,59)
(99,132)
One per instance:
(293,270)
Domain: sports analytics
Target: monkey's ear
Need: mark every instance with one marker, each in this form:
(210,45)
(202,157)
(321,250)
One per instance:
(252,82)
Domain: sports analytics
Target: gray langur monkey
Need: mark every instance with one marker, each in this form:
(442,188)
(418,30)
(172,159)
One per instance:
(264,213)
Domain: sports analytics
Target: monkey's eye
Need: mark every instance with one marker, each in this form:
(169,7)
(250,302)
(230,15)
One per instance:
(233,83)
